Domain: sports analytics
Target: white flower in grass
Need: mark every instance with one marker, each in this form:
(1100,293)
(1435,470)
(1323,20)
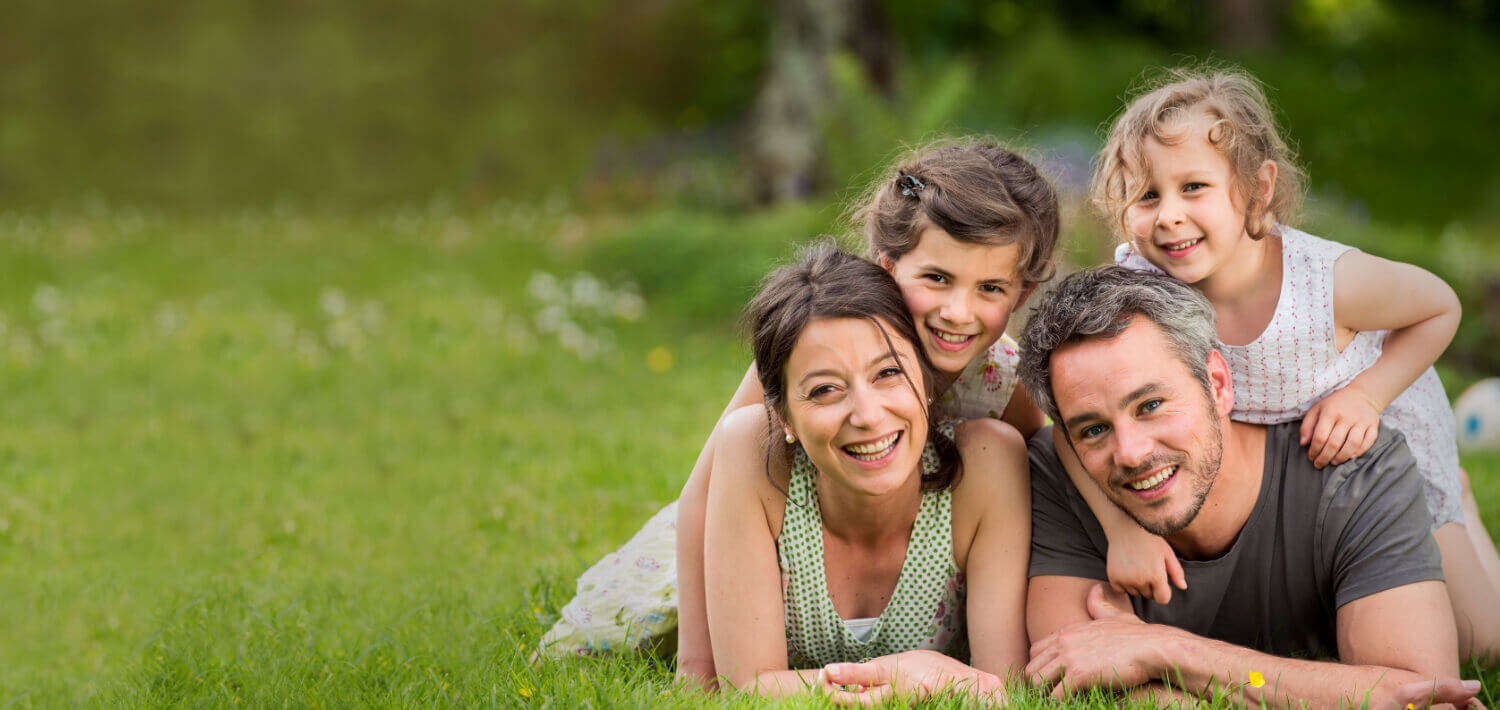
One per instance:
(168,319)
(544,288)
(551,318)
(629,306)
(587,291)
(333,302)
(47,299)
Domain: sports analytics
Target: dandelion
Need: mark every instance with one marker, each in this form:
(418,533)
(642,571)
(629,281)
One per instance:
(526,691)
(659,359)
(1256,679)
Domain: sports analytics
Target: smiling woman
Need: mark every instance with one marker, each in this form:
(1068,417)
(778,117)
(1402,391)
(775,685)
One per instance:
(863,535)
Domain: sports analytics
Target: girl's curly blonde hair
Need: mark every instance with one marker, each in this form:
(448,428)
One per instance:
(1242,127)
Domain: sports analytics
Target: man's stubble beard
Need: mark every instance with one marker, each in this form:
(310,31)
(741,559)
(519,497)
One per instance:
(1208,468)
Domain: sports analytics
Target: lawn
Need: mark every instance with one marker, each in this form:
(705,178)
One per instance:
(284,459)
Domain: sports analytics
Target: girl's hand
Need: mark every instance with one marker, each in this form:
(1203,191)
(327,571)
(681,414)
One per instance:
(1144,565)
(1341,427)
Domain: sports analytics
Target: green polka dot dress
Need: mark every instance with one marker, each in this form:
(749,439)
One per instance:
(926,611)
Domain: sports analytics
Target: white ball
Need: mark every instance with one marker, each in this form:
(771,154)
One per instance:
(1477,412)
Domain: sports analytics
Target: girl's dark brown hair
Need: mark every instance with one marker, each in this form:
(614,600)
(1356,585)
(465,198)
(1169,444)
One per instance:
(973,189)
(827,283)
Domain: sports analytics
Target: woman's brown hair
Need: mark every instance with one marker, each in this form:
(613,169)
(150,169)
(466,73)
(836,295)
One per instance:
(828,283)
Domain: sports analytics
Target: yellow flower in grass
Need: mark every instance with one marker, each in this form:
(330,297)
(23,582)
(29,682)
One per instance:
(1257,680)
(526,691)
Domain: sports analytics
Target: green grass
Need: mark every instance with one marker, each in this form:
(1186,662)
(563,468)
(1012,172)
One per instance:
(313,460)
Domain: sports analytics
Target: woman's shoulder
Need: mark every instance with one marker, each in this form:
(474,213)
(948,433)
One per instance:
(762,464)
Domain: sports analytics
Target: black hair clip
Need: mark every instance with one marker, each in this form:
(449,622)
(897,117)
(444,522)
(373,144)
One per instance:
(910,185)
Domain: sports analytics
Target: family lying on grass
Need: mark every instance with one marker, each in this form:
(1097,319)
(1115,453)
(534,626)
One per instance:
(1250,463)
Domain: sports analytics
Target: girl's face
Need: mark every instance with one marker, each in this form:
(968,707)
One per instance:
(853,402)
(1191,220)
(960,295)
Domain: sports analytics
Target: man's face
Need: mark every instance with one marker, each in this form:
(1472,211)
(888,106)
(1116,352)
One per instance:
(1143,426)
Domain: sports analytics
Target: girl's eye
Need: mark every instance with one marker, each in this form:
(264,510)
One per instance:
(1193,187)
(1149,196)
(936,278)
(991,288)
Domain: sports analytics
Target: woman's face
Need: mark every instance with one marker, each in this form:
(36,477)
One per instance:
(855,404)
(960,294)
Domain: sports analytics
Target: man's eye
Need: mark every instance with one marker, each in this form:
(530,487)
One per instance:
(1151,405)
(1092,432)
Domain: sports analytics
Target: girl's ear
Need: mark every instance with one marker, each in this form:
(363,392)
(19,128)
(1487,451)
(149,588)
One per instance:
(1265,178)
(1025,294)
(887,263)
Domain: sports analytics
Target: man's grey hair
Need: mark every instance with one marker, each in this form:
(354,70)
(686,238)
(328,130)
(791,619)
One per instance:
(1100,303)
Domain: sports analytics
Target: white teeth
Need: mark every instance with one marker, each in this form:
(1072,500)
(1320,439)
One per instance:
(873,450)
(1179,246)
(951,337)
(1154,481)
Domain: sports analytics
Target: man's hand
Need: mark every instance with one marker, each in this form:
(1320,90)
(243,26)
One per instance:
(1114,650)
(914,674)
(1447,691)
(1340,427)
(1144,565)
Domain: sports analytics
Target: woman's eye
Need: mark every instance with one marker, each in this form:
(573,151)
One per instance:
(820,391)
(885,372)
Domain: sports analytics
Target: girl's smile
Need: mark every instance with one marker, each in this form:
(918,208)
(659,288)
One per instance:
(960,294)
(1190,222)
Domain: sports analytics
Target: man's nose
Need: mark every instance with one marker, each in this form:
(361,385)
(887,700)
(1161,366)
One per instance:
(1132,445)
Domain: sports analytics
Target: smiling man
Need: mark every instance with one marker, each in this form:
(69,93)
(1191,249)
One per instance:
(1282,560)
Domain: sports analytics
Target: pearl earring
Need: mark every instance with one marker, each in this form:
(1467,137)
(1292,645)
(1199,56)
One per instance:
(790,439)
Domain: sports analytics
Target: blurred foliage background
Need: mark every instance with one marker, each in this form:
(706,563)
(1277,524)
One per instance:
(308,306)
(354,104)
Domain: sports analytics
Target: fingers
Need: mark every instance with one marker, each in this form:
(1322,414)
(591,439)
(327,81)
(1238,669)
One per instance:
(1176,573)
(1161,591)
(1309,424)
(862,674)
(1338,433)
(1438,692)
(863,696)
(1098,605)
(1351,447)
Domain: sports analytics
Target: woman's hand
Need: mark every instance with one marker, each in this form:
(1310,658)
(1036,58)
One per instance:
(1340,427)
(910,674)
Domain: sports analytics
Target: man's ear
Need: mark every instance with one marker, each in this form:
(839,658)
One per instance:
(887,263)
(1220,384)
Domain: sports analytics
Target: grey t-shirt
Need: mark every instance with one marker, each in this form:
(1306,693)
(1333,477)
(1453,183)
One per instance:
(1316,540)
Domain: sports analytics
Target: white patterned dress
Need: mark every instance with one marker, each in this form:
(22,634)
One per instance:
(628,600)
(1295,362)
